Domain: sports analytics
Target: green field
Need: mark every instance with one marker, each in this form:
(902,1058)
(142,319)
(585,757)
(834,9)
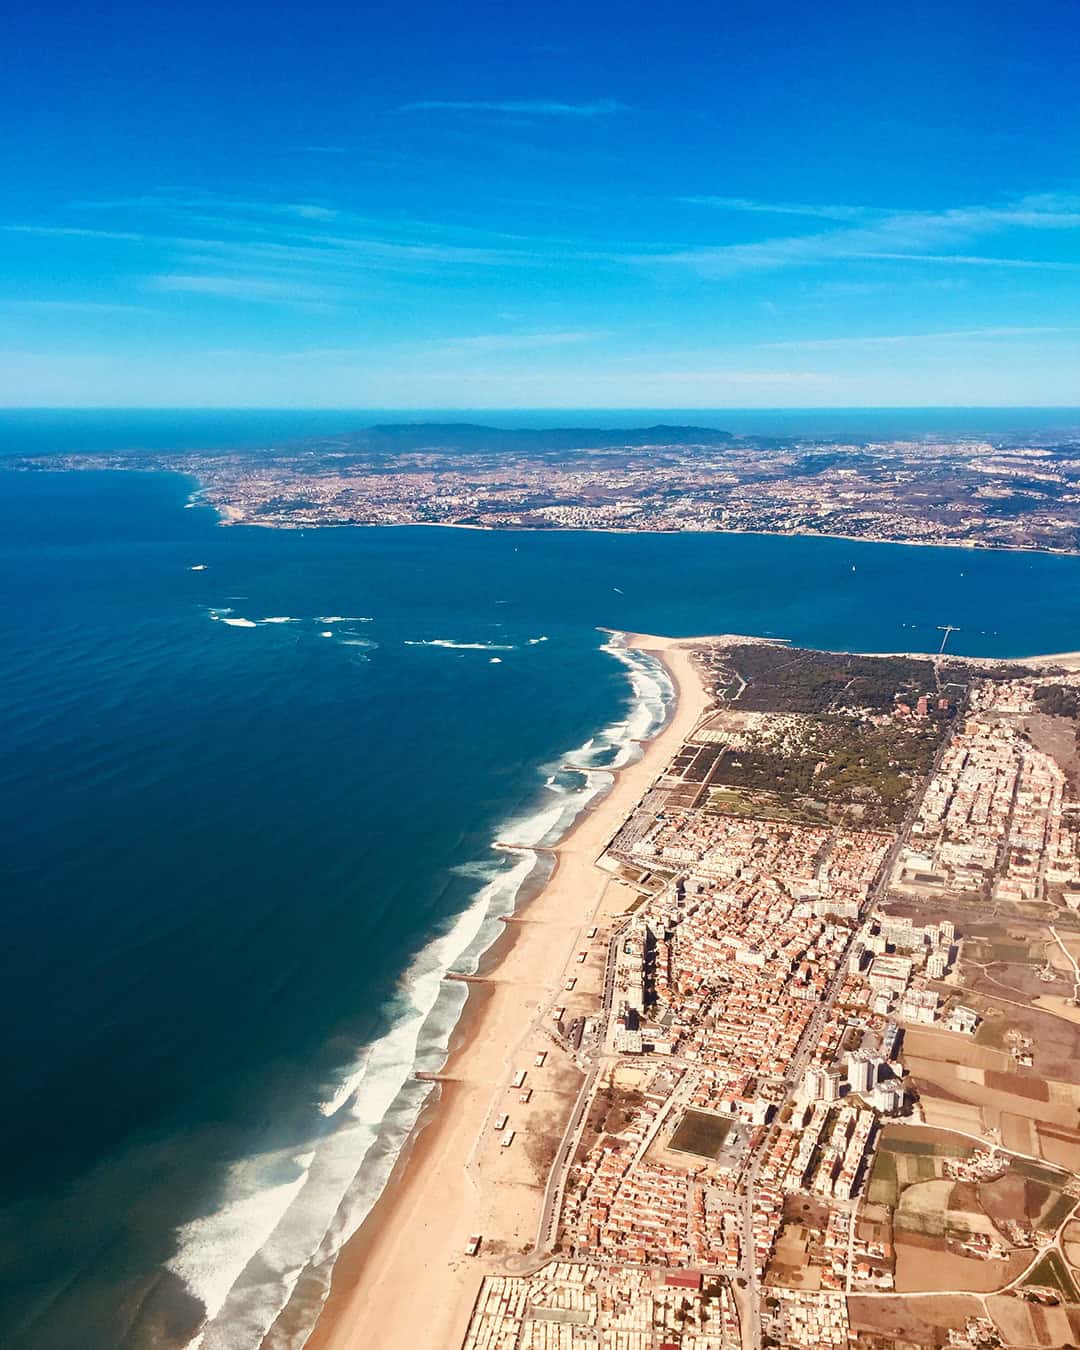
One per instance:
(1054,1215)
(1046,1176)
(927,1148)
(884,1188)
(701,1134)
(1051,1273)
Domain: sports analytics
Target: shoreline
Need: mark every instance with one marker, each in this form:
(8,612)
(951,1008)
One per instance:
(971,546)
(402,1280)
(231,516)
(1067,660)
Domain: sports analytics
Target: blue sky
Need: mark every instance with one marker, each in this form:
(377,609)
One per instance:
(504,205)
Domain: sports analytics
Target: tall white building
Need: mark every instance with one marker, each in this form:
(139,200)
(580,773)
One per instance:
(861,1073)
(822,1085)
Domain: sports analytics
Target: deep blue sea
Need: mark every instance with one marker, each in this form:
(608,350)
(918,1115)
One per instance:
(248,816)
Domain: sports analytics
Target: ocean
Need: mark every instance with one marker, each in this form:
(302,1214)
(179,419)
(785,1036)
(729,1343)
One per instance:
(250,787)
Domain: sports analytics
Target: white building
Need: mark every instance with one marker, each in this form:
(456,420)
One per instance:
(964,1020)
(861,1072)
(890,973)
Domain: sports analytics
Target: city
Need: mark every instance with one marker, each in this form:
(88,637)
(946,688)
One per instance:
(804,1096)
(1019,493)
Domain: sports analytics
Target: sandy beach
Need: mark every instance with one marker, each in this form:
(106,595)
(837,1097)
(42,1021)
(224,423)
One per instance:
(403,1282)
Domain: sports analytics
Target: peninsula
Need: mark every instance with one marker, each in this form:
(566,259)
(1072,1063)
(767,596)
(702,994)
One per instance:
(1017,492)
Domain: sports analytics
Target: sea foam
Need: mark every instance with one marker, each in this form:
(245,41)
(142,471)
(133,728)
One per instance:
(286,1215)
(461,646)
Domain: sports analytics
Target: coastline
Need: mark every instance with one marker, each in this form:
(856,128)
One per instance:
(403,1280)
(1038,661)
(232,516)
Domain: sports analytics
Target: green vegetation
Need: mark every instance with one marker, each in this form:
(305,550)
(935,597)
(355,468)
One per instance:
(701,1134)
(1051,1273)
(1034,1171)
(765,806)
(1056,1212)
(991,1033)
(1059,700)
(790,679)
(884,1188)
(827,767)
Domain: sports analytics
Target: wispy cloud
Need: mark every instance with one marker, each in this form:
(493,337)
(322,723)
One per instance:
(471,345)
(513,342)
(296,252)
(529,107)
(73,231)
(174,202)
(74,306)
(904,339)
(259,290)
(908,236)
(820,211)
(976,260)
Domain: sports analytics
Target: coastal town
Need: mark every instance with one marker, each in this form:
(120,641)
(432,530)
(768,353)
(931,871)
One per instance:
(1016,493)
(816,1046)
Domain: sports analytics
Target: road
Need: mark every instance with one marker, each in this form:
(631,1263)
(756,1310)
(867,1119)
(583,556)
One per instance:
(750,1325)
(749,1297)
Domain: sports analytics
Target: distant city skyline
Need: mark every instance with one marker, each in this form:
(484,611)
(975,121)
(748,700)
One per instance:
(546,209)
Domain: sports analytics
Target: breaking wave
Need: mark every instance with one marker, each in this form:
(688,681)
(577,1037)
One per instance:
(287,1214)
(461,646)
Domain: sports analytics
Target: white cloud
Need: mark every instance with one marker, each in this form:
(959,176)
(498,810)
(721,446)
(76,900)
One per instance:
(821,211)
(260,290)
(903,339)
(60,231)
(529,107)
(512,342)
(74,306)
(908,236)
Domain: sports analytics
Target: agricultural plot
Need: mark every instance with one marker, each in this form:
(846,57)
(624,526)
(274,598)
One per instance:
(1020,1322)
(922,1321)
(1053,1274)
(961,1218)
(955,1077)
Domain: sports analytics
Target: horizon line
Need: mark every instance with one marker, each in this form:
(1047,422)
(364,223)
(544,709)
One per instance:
(518,409)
